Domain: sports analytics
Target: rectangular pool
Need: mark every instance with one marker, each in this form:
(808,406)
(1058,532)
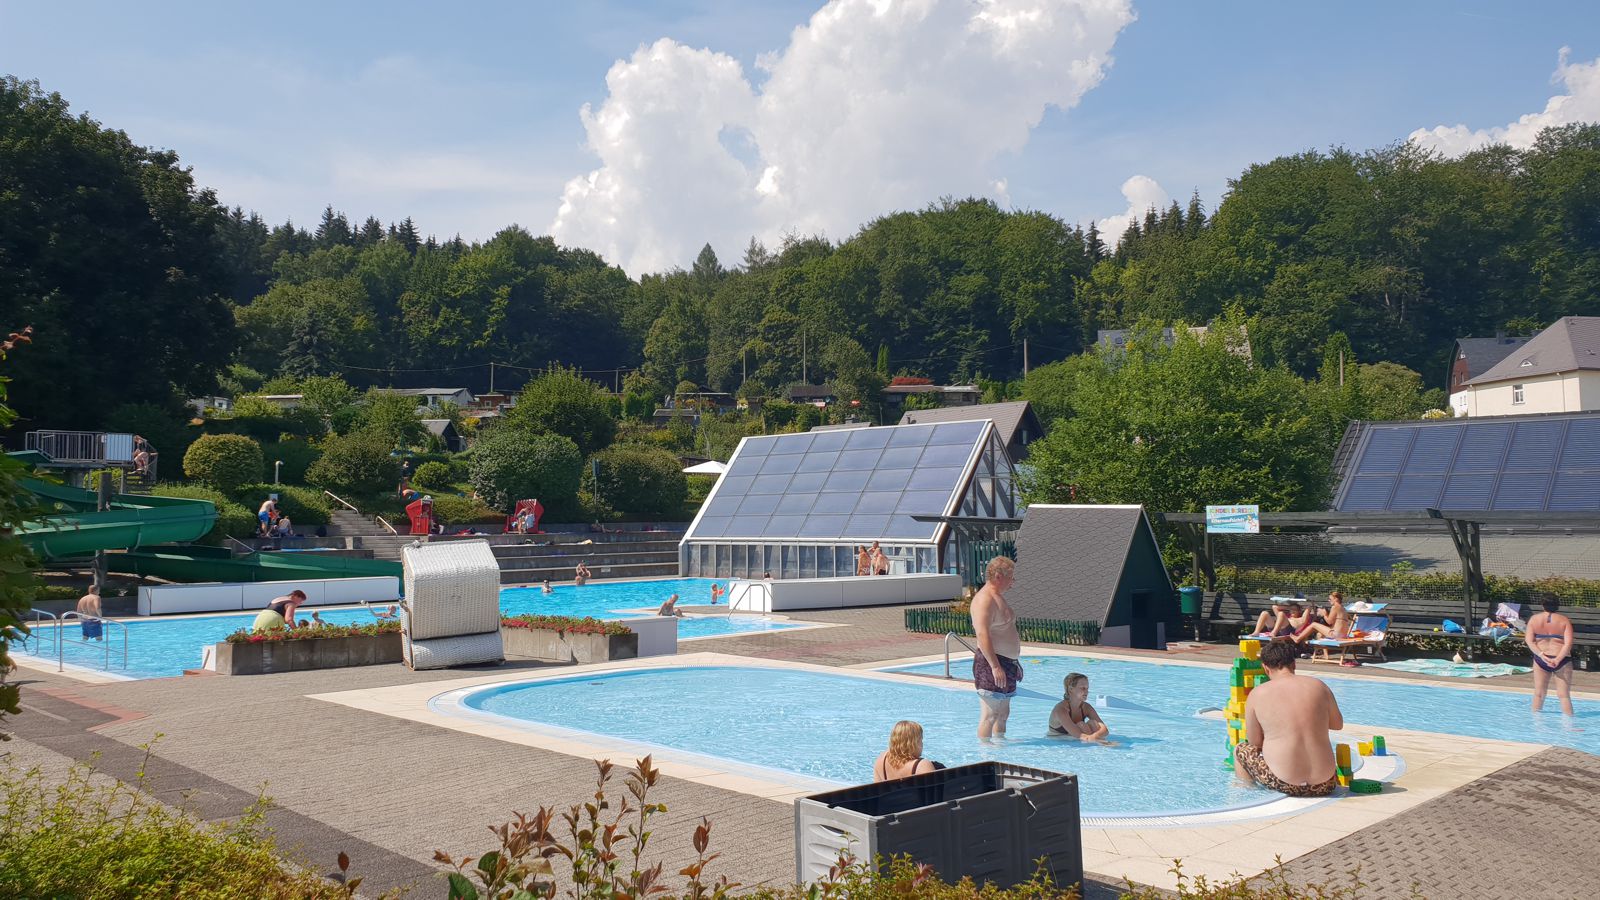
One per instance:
(164,647)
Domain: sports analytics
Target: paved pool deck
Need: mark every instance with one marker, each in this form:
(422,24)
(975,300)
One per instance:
(391,790)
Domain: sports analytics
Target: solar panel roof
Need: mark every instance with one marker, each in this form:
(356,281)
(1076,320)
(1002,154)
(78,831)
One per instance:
(842,485)
(1529,463)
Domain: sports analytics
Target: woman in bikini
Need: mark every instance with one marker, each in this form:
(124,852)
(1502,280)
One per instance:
(1073,716)
(1550,638)
(1335,622)
(904,756)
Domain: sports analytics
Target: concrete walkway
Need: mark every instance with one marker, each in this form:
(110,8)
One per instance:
(390,792)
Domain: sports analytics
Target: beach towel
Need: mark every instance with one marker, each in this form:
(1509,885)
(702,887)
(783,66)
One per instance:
(1450,669)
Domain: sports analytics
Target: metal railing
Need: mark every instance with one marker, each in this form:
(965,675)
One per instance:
(766,588)
(82,446)
(62,640)
(960,640)
(347,505)
(57,631)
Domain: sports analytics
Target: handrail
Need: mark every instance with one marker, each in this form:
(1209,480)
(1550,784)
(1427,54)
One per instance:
(765,586)
(247,547)
(39,615)
(341,501)
(962,641)
(62,640)
(346,504)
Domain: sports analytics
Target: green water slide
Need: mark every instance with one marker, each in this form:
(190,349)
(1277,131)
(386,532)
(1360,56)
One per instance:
(147,527)
(217,564)
(75,528)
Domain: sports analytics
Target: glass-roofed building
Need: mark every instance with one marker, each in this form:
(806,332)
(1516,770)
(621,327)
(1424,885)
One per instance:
(798,505)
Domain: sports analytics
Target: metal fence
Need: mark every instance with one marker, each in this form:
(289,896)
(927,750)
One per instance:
(978,555)
(1520,565)
(1042,631)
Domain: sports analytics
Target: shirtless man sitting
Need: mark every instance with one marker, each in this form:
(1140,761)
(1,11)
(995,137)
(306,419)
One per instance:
(1287,721)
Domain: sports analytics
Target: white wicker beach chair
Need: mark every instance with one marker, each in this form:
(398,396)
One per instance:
(452,606)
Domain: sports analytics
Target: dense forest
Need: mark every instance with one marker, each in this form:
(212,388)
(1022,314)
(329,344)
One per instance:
(142,284)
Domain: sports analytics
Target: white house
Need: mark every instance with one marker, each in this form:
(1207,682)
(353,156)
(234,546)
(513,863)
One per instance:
(1557,371)
(432,397)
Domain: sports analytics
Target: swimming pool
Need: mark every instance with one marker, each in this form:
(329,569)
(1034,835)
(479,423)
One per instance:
(1178,690)
(832,726)
(163,647)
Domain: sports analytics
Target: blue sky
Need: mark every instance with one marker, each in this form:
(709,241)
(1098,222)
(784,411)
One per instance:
(468,119)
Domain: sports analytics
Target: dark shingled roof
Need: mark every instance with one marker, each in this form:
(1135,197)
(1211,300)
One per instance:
(1572,343)
(1484,354)
(1070,559)
(1007,417)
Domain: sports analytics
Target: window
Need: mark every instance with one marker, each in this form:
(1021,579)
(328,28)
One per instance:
(1516,395)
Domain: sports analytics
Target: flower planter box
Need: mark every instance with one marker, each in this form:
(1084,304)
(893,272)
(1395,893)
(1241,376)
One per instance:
(267,657)
(566,647)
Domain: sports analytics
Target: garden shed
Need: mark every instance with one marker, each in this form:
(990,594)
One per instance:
(1099,564)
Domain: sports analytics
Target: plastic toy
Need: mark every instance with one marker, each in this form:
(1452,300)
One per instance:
(1365,786)
(1245,674)
(1364,748)
(1341,764)
(1378,747)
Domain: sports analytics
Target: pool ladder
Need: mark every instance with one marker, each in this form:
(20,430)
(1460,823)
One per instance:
(963,642)
(59,636)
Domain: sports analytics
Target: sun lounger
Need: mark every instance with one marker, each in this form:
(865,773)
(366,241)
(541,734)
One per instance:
(1369,634)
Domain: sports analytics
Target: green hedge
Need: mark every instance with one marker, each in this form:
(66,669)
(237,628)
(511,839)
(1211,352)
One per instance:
(303,505)
(453,509)
(233,520)
(432,476)
(1043,631)
(297,455)
(358,464)
(637,479)
(1401,581)
(223,461)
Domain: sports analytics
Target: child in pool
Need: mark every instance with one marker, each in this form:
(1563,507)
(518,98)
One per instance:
(1073,716)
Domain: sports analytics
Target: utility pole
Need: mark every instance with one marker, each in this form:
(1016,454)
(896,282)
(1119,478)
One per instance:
(102,503)
(1341,368)
(803,379)
(1024,357)
(491,378)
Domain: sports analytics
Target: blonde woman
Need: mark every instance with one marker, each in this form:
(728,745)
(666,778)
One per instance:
(904,756)
(1073,716)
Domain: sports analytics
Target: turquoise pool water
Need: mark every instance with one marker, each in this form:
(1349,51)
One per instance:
(833,726)
(1181,690)
(163,647)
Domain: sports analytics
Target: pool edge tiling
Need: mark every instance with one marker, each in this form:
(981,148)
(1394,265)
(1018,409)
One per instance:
(1143,851)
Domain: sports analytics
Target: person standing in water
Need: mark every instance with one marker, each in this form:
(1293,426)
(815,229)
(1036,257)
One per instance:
(995,670)
(1073,716)
(1550,638)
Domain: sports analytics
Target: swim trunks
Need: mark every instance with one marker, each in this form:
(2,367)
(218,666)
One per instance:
(1250,757)
(983,676)
(92,629)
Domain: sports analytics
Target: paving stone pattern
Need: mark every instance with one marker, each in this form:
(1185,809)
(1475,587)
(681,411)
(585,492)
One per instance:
(391,792)
(1528,831)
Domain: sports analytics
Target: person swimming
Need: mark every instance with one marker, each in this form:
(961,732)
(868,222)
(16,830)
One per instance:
(904,756)
(1073,716)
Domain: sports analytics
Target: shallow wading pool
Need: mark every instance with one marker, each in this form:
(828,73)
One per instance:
(163,647)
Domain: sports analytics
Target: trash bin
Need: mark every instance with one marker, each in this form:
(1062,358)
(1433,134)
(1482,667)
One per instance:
(991,820)
(1189,600)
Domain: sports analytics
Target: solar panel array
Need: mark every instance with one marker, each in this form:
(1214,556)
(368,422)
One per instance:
(1537,464)
(841,485)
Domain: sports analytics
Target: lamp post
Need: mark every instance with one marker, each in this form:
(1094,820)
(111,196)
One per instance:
(277,466)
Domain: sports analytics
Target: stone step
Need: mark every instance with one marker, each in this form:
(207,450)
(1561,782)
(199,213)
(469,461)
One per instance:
(601,573)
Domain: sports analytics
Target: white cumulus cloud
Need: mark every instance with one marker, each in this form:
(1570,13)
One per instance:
(1580,103)
(873,106)
(1142,192)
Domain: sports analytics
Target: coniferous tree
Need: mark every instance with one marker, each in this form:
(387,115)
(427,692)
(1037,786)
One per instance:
(1151,221)
(334,229)
(1195,220)
(407,235)
(371,232)
(1092,243)
(707,269)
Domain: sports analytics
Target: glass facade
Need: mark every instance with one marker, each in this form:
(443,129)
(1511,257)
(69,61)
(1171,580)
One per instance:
(799,505)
